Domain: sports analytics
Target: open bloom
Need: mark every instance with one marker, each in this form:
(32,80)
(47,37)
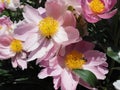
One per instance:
(14,49)
(5,25)
(75,56)
(44,28)
(94,10)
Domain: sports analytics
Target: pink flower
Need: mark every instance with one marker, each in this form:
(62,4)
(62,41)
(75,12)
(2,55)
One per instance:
(43,30)
(75,56)
(94,10)
(14,49)
(5,25)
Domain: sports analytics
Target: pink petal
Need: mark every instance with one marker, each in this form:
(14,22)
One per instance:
(55,8)
(109,4)
(69,19)
(91,18)
(108,15)
(23,31)
(31,14)
(56,81)
(95,71)
(87,46)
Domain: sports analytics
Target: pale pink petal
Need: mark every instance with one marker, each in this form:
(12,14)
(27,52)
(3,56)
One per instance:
(22,63)
(95,58)
(43,73)
(42,11)
(49,72)
(56,81)
(102,69)
(23,31)
(31,42)
(67,81)
(96,72)
(14,62)
(73,37)
(6,53)
(31,14)
(60,36)
(41,51)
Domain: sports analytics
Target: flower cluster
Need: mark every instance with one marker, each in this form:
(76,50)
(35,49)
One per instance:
(50,37)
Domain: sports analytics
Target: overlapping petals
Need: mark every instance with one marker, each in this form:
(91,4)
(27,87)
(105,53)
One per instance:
(6,25)
(30,29)
(12,48)
(95,61)
(95,10)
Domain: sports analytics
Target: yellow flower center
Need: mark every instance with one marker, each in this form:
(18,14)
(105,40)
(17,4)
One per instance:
(2,1)
(0,27)
(48,27)
(97,6)
(16,46)
(74,60)
(8,1)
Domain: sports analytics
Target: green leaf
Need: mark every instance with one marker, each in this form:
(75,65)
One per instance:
(4,72)
(116,68)
(114,55)
(87,76)
(21,79)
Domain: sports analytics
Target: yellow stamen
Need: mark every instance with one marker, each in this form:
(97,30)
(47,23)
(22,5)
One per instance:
(97,6)
(16,46)
(74,60)
(2,1)
(8,1)
(48,27)
(0,27)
